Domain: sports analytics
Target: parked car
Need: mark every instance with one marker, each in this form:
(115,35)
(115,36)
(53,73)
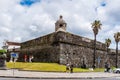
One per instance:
(117,70)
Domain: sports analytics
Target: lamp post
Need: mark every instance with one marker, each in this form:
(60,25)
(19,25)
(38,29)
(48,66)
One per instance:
(13,56)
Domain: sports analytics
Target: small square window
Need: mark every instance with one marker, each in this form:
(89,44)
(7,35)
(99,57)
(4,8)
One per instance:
(61,25)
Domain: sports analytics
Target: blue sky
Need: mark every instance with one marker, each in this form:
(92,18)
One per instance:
(103,3)
(28,2)
(22,20)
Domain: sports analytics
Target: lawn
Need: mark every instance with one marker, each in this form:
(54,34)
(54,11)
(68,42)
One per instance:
(49,67)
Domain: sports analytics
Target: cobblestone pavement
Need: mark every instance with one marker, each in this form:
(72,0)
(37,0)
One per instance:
(53,75)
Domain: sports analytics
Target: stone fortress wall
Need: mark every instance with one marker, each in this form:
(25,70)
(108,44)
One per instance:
(64,47)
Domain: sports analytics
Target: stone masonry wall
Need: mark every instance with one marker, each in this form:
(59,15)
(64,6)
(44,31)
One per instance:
(64,47)
(43,49)
(78,50)
(77,55)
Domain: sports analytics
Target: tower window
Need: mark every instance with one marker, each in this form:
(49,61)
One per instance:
(61,25)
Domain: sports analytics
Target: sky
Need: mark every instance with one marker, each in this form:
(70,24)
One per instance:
(22,20)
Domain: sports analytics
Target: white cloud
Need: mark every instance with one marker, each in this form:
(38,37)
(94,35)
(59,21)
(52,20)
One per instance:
(21,23)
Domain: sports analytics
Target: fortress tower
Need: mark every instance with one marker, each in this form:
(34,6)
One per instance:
(60,25)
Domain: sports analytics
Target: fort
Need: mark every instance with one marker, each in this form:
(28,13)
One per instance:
(64,47)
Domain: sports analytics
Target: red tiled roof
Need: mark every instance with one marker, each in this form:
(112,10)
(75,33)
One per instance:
(13,43)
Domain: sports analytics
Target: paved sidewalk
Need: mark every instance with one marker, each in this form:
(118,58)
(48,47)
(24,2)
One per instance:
(54,75)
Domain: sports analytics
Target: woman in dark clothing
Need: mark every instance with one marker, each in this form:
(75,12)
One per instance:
(71,68)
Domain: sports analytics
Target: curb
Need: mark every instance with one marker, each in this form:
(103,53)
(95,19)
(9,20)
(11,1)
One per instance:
(56,77)
(53,77)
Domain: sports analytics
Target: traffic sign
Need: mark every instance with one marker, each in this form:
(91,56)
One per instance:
(15,55)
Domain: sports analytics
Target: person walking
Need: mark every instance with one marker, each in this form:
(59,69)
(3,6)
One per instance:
(25,58)
(107,67)
(68,67)
(71,68)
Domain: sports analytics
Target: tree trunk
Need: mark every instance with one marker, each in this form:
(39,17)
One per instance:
(94,53)
(107,54)
(116,54)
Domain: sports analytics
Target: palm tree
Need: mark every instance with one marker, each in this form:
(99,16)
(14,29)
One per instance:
(117,39)
(96,25)
(107,42)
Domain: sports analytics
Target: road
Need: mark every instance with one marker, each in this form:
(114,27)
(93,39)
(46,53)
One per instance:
(114,78)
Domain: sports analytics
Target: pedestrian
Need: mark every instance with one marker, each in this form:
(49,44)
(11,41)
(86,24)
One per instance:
(107,67)
(25,58)
(31,58)
(71,68)
(68,67)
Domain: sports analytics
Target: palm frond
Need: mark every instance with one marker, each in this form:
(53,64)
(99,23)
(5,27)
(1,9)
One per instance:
(117,36)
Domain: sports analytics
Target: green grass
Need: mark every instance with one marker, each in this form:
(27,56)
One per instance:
(38,66)
(2,51)
(49,67)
